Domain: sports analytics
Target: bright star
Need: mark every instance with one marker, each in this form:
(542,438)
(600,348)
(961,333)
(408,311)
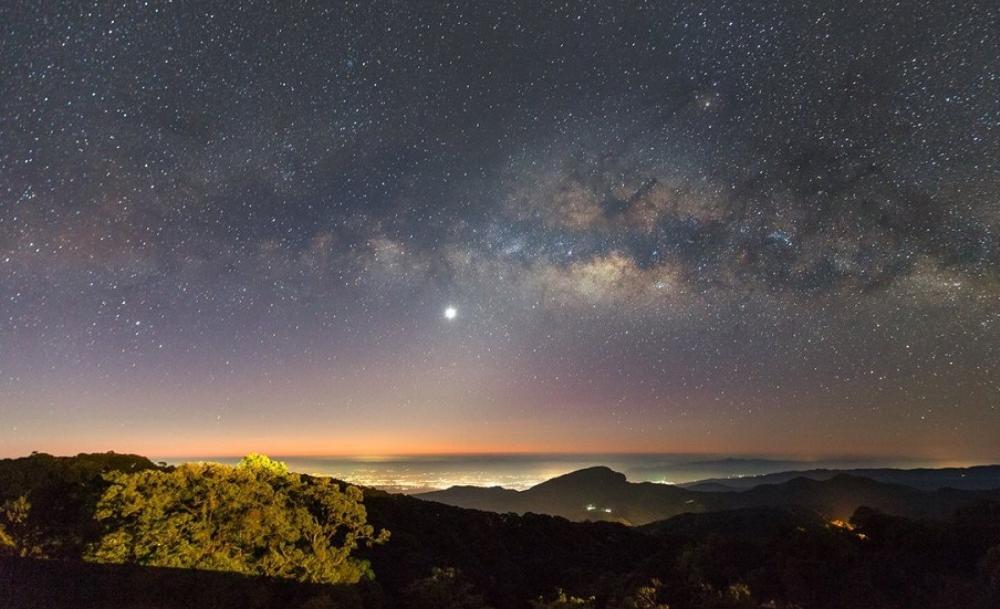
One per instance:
(450,313)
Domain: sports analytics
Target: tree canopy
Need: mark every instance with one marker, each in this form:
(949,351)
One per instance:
(17,535)
(255,518)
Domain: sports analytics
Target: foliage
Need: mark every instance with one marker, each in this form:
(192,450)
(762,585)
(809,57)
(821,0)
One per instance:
(7,542)
(255,518)
(63,492)
(12,514)
(258,461)
(443,589)
(645,597)
(642,597)
(17,535)
(563,601)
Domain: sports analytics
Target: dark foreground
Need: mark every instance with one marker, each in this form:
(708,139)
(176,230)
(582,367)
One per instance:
(35,584)
(777,556)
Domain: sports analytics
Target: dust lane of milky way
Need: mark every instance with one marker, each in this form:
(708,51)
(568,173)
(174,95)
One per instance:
(399,227)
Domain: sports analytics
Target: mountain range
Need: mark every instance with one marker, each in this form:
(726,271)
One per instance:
(601,494)
(980,477)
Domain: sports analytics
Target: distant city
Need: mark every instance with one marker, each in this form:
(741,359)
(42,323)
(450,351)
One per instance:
(417,474)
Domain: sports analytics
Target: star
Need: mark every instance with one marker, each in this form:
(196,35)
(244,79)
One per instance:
(450,313)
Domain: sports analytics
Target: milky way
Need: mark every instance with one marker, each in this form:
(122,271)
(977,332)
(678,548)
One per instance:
(743,227)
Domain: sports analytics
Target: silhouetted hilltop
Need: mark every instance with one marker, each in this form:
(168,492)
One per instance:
(755,523)
(594,477)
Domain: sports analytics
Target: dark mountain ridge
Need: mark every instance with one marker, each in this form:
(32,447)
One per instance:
(598,493)
(979,477)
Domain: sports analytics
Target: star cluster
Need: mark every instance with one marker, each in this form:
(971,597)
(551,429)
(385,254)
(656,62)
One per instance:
(420,227)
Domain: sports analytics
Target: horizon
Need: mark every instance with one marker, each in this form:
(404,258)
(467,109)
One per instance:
(411,474)
(686,457)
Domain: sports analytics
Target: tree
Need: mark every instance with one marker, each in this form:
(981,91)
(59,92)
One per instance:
(6,541)
(644,597)
(443,589)
(17,536)
(261,462)
(255,518)
(563,601)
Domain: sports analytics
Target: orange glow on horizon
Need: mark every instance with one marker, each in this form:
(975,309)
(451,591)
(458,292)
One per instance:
(386,447)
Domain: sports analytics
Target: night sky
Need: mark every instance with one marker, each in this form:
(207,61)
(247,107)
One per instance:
(371,228)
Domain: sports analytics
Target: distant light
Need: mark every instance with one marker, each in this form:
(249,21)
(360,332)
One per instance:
(450,313)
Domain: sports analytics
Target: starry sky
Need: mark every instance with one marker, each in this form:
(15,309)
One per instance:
(407,227)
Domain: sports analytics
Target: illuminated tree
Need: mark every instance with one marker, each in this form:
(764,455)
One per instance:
(17,536)
(263,462)
(255,518)
(645,597)
(563,601)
